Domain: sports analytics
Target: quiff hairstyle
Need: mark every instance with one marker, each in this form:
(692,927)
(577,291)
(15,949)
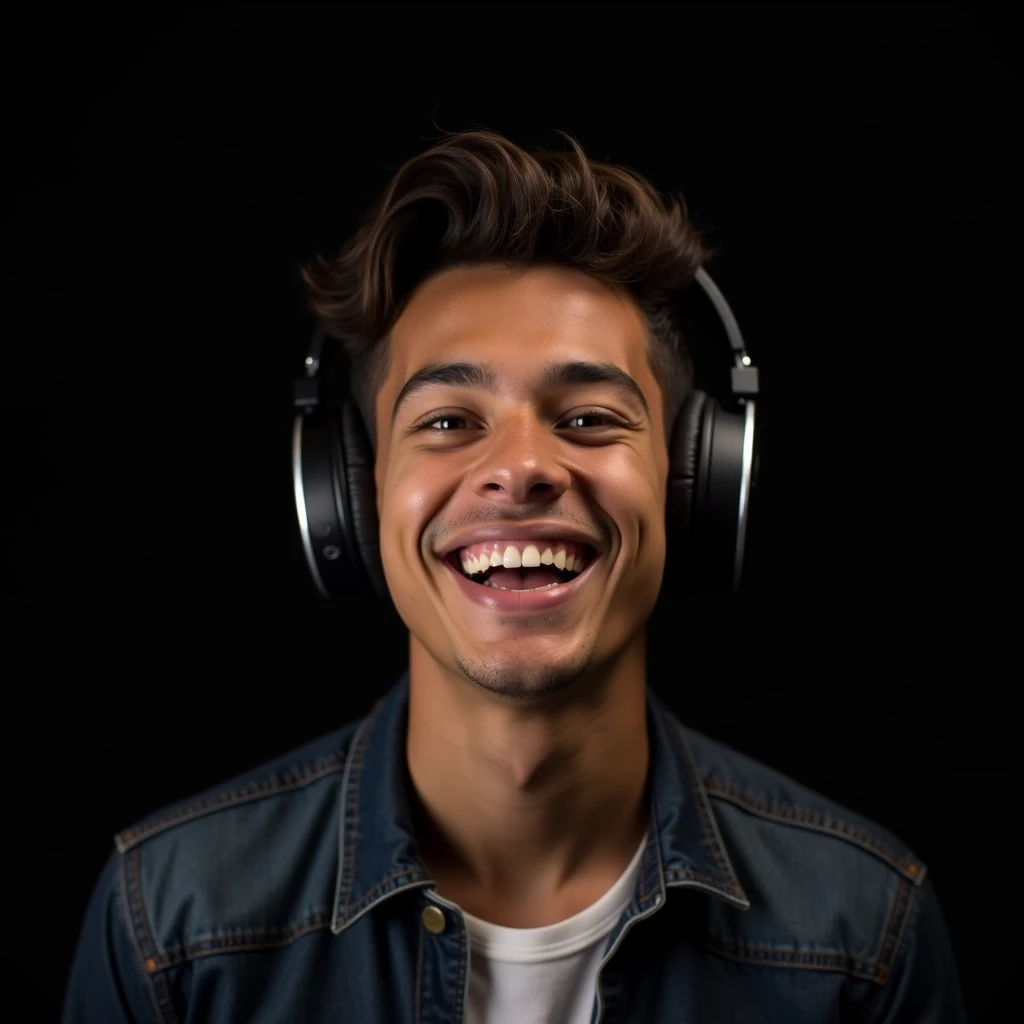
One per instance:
(478,198)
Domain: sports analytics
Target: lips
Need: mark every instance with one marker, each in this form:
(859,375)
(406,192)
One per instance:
(519,602)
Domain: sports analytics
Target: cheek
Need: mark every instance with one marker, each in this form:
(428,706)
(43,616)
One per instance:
(628,492)
(405,505)
(630,488)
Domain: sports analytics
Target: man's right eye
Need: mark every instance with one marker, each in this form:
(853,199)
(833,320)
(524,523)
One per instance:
(443,418)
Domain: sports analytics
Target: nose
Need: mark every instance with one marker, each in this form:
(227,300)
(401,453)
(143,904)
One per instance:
(519,464)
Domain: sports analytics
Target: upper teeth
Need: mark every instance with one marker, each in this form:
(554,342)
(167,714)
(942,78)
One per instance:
(561,554)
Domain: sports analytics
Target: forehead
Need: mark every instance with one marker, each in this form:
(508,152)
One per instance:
(511,317)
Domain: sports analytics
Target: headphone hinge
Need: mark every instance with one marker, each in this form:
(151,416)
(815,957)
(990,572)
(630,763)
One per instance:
(306,394)
(744,380)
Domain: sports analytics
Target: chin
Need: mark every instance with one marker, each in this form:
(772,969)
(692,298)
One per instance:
(516,675)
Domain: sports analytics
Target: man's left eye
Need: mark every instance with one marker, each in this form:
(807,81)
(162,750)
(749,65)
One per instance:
(594,415)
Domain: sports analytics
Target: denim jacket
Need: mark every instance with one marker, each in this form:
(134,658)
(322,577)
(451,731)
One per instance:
(296,893)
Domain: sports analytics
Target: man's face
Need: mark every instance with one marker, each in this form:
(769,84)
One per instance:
(521,465)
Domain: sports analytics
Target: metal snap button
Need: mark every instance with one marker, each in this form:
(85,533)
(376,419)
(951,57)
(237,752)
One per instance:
(433,920)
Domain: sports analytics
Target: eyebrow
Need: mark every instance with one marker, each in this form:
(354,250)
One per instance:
(555,375)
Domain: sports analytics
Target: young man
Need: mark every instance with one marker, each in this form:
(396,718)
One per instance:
(519,830)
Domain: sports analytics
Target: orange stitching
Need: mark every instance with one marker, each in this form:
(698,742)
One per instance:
(461,960)
(358,755)
(347,857)
(856,967)
(139,921)
(371,895)
(895,926)
(132,866)
(703,811)
(128,899)
(417,1010)
(241,940)
(693,873)
(805,816)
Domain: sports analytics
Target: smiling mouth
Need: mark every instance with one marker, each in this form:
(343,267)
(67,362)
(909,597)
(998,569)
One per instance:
(502,573)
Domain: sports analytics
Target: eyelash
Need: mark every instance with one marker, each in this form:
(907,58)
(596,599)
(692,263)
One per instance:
(610,420)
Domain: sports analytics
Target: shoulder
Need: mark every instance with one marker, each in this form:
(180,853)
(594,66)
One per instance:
(256,854)
(297,770)
(760,793)
(828,887)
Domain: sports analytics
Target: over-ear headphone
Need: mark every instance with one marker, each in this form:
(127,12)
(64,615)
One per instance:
(712,474)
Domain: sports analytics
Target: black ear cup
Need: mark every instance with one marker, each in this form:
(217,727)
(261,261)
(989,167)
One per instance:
(357,472)
(684,459)
(333,479)
(703,502)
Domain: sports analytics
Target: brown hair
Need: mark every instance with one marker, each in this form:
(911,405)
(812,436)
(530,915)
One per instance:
(478,198)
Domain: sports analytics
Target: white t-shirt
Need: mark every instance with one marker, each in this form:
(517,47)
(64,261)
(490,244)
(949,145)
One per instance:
(543,975)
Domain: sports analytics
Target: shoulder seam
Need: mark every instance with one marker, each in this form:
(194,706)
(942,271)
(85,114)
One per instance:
(909,866)
(905,906)
(257,789)
(141,935)
(134,922)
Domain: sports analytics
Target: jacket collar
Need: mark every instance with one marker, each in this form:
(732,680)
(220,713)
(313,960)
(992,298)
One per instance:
(378,854)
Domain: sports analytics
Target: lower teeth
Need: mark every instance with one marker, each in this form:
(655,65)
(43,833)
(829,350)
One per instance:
(527,590)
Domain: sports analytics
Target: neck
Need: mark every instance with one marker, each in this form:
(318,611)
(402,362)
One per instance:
(528,804)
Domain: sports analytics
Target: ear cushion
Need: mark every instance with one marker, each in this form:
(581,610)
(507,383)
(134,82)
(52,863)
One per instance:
(685,504)
(685,451)
(357,458)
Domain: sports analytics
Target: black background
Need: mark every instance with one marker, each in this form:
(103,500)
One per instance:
(857,167)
